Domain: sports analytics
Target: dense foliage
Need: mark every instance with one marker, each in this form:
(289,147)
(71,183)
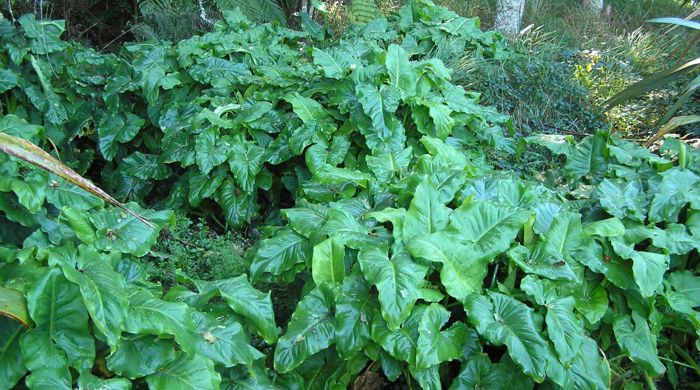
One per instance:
(374,181)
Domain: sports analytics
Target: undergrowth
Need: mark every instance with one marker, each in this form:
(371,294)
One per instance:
(195,249)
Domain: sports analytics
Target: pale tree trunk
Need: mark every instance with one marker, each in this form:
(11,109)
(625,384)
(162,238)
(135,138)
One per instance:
(509,14)
(595,5)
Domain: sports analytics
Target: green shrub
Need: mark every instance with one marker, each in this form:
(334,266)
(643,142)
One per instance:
(198,252)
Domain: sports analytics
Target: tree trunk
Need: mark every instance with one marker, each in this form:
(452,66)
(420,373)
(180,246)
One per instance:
(509,14)
(595,5)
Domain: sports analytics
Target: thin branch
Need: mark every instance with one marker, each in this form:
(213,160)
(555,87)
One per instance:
(203,14)
(9,9)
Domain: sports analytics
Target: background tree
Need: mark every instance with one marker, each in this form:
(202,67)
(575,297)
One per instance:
(509,14)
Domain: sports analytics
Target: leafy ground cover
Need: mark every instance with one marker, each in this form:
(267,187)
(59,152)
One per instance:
(402,241)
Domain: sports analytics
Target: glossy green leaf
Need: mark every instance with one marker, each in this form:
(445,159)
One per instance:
(118,231)
(115,129)
(224,341)
(246,160)
(587,158)
(311,329)
(542,260)
(637,342)
(397,279)
(279,254)
(426,214)
(61,334)
(12,366)
(621,200)
(611,227)
(463,268)
(251,304)
(334,64)
(435,346)
(211,151)
(148,315)
(503,320)
(684,293)
(479,372)
(103,292)
(677,188)
(401,74)
(307,109)
(141,355)
(387,164)
(186,373)
(353,315)
(491,228)
(648,268)
(328,262)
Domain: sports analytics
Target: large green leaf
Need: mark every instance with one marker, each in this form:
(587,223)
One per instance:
(118,231)
(677,188)
(353,314)
(306,218)
(328,262)
(279,254)
(564,234)
(307,109)
(435,346)
(211,150)
(347,229)
(399,343)
(563,327)
(326,153)
(224,341)
(401,73)
(479,373)
(426,214)
(311,329)
(145,166)
(587,159)
(542,260)
(61,319)
(118,128)
(684,292)
(378,104)
(397,278)
(251,304)
(491,228)
(463,268)
(595,257)
(246,160)
(154,316)
(203,186)
(103,291)
(333,63)
(140,355)
(648,267)
(503,320)
(12,366)
(186,373)
(47,363)
(590,370)
(387,164)
(8,80)
(637,342)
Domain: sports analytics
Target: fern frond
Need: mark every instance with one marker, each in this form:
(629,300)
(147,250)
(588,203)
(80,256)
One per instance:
(257,10)
(150,7)
(363,11)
